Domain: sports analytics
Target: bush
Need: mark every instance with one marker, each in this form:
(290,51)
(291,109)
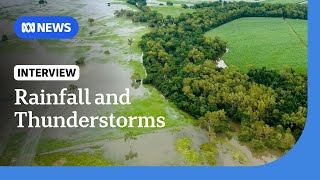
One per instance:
(107,52)
(184,6)
(209,151)
(183,145)
(169,3)
(4,38)
(80,61)
(72,88)
(193,157)
(288,141)
(137,2)
(90,20)
(215,121)
(246,134)
(42,2)
(257,145)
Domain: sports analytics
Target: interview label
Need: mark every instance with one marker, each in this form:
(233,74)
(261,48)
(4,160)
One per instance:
(46,72)
(46,27)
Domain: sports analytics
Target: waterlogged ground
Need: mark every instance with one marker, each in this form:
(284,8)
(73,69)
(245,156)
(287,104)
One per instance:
(102,72)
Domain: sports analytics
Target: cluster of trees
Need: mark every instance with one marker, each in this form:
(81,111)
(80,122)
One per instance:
(181,63)
(295,11)
(169,3)
(145,15)
(137,3)
(211,15)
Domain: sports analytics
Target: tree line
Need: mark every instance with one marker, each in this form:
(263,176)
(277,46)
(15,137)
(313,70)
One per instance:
(271,106)
(137,3)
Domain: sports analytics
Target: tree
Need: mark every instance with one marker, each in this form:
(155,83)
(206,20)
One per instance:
(131,136)
(91,20)
(195,56)
(80,61)
(4,38)
(130,42)
(72,88)
(287,142)
(184,6)
(135,76)
(42,2)
(169,3)
(137,3)
(215,121)
(166,70)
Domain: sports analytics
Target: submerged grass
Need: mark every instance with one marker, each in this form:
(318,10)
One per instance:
(192,157)
(137,38)
(72,159)
(236,153)
(205,156)
(12,45)
(152,104)
(46,145)
(11,151)
(136,66)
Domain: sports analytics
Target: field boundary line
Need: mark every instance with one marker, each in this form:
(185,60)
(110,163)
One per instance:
(296,34)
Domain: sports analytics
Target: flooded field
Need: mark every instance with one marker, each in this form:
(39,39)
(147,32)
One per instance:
(109,65)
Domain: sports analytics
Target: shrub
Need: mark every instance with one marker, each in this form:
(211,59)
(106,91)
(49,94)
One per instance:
(184,6)
(4,38)
(80,61)
(72,88)
(183,145)
(90,20)
(169,3)
(107,52)
(209,151)
(257,145)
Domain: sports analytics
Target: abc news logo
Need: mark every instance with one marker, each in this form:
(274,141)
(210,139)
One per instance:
(46,27)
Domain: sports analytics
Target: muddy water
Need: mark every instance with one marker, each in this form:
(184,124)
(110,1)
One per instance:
(152,149)
(100,73)
(253,161)
(158,148)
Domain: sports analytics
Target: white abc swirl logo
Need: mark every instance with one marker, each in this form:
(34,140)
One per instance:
(28,27)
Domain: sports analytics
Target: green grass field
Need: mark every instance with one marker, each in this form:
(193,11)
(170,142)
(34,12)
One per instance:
(265,42)
(286,1)
(72,159)
(173,11)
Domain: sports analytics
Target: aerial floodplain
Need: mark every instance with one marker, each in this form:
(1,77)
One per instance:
(161,83)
